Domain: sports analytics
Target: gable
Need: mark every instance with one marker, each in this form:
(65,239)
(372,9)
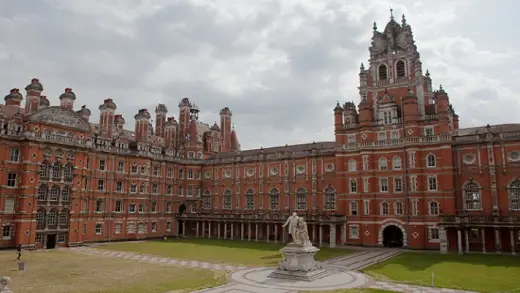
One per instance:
(62,117)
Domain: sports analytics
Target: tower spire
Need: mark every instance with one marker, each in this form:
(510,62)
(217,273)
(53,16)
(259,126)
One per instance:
(391,13)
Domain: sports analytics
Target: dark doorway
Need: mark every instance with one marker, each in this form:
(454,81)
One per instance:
(51,241)
(180,228)
(392,236)
(182,208)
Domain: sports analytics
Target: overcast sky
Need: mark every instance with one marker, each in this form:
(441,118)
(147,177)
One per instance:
(279,65)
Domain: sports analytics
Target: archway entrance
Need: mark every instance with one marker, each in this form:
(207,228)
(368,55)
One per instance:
(392,236)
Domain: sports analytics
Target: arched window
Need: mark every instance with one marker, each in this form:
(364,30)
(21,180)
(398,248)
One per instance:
(430,161)
(383,74)
(330,198)
(385,208)
(434,208)
(40,218)
(228,200)
(397,163)
(352,165)
(274,199)
(383,164)
(56,171)
(250,199)
(400,69)
(301,199)
(514,195)
(398,208)
(67,172)
(472,196)
(54,193)
(51,218)
(353,208)
(206,200)
(42,192)
(64,217)
(44,170)
(65,194)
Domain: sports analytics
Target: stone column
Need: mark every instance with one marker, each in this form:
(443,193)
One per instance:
(268,231)
(443,239)
(498,245)
(209,229)
(332,235)
(232,230)
(218,230)
(459,241)
(483,235)
(225,230)
(183,228)
(256,232)
(248,231)
(197,227)
(203,229)
(321,236)
(314,233)
(275,233)
(343,233)
(512,239)
(242,231)
(466,240)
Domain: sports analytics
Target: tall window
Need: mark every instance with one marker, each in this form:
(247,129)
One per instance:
(398,184)
(514,195)
(99,205)
(301,199)
(40,218)
(430,160)
(385,208)
(14,155)
(67,172)
(274,199)
(434,208)
(42,192)
(44,170)
(206,200)
(250,200)
(11,180)
(472,196)
(330,198)
(382,72)
(65,194)
(383,164)
(383,184)
(228,200)
(353,208)
(400,68)
(352,165)
(64,217)
(398,208)
(54,193)
(119,206)
(432,183)
(51,218)
(396,163)
(56,171)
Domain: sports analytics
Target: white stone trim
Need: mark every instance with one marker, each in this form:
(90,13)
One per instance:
(392,223)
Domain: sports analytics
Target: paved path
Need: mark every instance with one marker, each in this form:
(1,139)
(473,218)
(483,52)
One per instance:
(350,262)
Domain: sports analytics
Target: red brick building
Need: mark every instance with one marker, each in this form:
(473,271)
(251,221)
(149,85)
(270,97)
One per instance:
(400,171)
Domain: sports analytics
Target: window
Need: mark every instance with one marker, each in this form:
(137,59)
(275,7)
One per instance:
(433,234)
(366,207)
(398,184)
(131,208)
(63,217)
(395,134)
(120,166)
(155,188)
(168,226)
(387,117)
(352,165)
(142,188)
(429,131)
(381,136)
(118,228)
(119,206)
(141,228)
(134,169)
(413,183)
(206,200)
(383,163)
(385,208)
(353,186)
(99,205)
(130,228)
(155,170)
(415,207)
(434,208)
(514,195)
(101,185)
(140,208)
(154,226)
(353,232)
(169,207)
(330,198)
(143,170)
(181,173)
(365,162)
(119,186)
(396,163)
(351,138)
(42,192)
(51,218)
(154,207)
(170,189)
(54,193)
(250,200)
(383,185)
(382,72)
(67,172)
(181,191)
(400,69)
(190,190)
(353,208)
(432,183)
(301,199)
(99,229)
(102,165)
(411,161)
(133,188)
(365,184)
(430,160)
(44,170)
(472,196)
(38,238)
(170,173)
(65,194)
(40,218)
(6,232)
(398,208)
(228,200)
(190,174)
(11,180)
(9,205)
(274,199)
(14,155)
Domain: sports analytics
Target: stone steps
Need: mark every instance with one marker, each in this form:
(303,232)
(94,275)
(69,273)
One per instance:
(362,259)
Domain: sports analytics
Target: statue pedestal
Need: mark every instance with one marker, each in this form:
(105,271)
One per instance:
(298,264)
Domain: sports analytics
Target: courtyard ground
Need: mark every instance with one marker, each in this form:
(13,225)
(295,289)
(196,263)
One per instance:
(65,272)
(217,251)
(474,272)
(360,290)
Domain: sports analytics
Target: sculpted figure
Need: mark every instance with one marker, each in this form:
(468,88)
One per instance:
(301,233)
(292,221)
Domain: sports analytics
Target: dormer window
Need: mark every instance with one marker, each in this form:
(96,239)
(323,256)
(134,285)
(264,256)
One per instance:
(387,117)
(383,74)
(400,69)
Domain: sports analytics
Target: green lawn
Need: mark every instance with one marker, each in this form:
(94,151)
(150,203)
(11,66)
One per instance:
(360,290)
(475,272)
(67,272)
(217,251)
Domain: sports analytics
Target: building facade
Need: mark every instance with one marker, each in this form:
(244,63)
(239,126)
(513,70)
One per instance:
(400,172)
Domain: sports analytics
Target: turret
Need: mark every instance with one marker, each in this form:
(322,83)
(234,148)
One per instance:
(44,102)
(84,113)
(235,145)
(160,119)
(170,132)
(119,123)
(184,116)
(225,128)
(338,117)
(142,123)
(106,119)
(350,115)
(366,113)
(34,91)
(67,99)
(410,111)
(442,102)
(14,98)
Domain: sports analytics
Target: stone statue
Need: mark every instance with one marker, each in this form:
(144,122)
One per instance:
(4,285)
(292,221)
(301,234)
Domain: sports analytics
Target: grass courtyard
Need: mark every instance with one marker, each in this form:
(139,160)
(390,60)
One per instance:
(360,290)
(217,251)
(66,272)
(474,272)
